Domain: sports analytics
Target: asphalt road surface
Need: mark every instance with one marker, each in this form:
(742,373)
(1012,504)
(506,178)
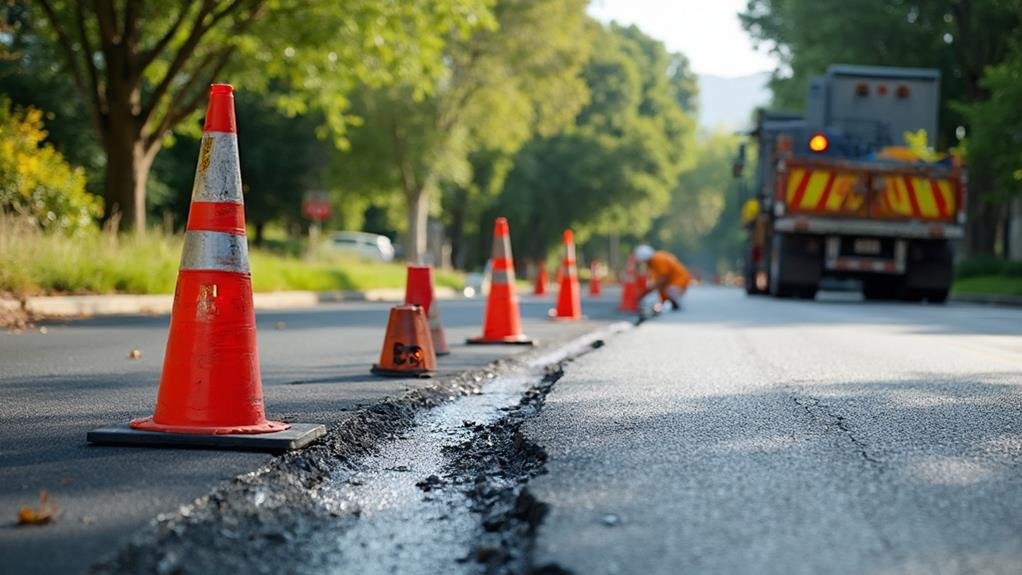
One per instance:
(56,386)
(752,435)
(741,435)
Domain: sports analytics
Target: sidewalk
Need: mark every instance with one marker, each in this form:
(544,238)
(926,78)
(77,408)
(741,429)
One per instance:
(127,304)
(989,299)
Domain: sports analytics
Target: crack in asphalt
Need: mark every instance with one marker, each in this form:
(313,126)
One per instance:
(289,516)
(259,522)
(496,464)
(831,419)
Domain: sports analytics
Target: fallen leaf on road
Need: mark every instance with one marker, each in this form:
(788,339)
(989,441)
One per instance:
(44,513)
(135,354)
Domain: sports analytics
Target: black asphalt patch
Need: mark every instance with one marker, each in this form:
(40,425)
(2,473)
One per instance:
(270,521)
(295,437)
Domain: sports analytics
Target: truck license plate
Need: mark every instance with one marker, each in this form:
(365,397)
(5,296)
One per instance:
(867,246)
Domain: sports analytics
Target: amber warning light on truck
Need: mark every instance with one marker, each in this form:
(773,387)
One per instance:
(819,143)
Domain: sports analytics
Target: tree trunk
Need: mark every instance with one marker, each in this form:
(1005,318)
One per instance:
(260,230)
(127,170)
(415,235)
(127,158)
(457,229)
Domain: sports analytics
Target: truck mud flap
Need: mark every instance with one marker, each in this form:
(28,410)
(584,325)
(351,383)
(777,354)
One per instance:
(796,264)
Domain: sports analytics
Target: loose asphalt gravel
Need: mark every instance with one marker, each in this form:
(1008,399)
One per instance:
(752,435)
(56,386)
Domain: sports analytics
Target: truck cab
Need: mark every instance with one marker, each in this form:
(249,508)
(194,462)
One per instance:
(837,194)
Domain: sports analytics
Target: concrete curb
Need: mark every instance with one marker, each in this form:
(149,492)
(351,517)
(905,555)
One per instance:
(124,304)
(988,299)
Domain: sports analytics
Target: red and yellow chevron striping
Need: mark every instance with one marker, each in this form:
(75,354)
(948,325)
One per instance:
(835,191)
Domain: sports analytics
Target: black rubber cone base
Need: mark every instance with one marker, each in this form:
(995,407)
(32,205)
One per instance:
(513,340)
(295,437)
(419,373)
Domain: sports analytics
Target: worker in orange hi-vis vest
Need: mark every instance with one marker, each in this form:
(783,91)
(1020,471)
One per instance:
(670,277)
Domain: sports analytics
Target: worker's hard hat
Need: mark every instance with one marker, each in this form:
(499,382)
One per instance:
(644,252)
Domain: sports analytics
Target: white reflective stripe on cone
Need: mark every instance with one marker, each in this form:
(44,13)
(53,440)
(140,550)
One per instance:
(218,175)
(217,251)
(502,277)
(502,248)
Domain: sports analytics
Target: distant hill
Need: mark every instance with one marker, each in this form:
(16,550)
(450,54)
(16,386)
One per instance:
(727,103)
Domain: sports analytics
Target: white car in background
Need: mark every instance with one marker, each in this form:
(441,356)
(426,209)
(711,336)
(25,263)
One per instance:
(362,244)
(478,284)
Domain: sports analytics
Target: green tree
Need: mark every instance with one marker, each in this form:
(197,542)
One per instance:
(701,224)
(142,68)
(997,126)
(517,77)
(962,38)
(282,159)
(612,171)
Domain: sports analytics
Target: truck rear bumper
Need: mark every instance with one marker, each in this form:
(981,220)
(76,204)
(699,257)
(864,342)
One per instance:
(836,261)
(903,229)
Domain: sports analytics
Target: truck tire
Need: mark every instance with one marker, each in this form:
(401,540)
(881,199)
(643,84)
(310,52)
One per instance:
(783,291)
(807,292)
(795,266)
(930,271)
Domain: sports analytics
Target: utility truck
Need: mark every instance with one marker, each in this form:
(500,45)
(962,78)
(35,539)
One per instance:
(838,194)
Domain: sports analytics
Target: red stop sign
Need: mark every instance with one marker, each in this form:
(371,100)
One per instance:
(316,210)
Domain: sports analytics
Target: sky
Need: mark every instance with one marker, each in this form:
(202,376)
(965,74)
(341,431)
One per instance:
(707,31)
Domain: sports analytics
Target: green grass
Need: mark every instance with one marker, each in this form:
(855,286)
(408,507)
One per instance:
(989,285)
(988,267)
(32,263)
(988,276)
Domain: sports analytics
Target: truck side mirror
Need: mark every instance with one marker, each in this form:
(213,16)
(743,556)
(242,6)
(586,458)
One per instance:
(738,165)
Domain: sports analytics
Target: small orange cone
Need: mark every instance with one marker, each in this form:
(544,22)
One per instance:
(569,298)
(407,347)
(502,321)
(211,385)
(420,289)
(594,279)
(630,289)
(541,280)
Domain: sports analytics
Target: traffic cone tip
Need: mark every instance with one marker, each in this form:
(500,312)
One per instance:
(220,113)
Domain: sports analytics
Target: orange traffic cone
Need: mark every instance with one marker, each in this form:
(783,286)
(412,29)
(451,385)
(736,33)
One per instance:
(541,280)
(594,279)
(211,386)
(407,347)
(502,321)
(420,289)
(629,292)
(569,298)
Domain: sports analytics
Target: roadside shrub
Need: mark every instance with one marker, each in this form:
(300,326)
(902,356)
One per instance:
(35,180)
(988,266)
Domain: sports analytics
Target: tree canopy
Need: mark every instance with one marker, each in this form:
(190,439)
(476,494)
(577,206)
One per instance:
(500,85)
(142,68)
(612,170)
